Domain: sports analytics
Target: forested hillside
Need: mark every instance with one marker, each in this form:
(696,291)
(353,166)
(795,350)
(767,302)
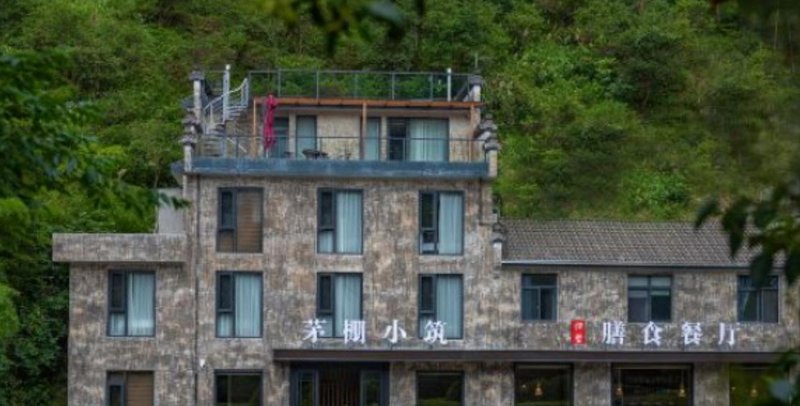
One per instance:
(633,109)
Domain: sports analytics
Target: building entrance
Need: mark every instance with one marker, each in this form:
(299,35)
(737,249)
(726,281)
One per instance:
(340,384)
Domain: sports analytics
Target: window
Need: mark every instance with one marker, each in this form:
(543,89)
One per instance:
(441,299)
(539,297)
(440,389)
(131,303)
(338,299)
(757,303)
(545,385)
(339,221)
(372,142)
(649,298)
(306,133)
(749,384)
(441,223)
(238,389)
(129,389)
(280,149)
(238,304)
(652,385)
(422,140)
(339,383)
(239,222)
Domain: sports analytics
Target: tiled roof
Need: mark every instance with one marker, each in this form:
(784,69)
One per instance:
(617,242)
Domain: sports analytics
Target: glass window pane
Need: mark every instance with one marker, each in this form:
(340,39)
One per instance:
(451,223)
(306,134)
(326,209)
(657,386)
(306,389)
(139,389)
(426,293)
(117,300)
(248,221)
(769,311)
(226,214)
(245,390)
(347,300)
(548,304)
(449,304)
(439,389)
(372,146)
(637,307)
(222,387)
(748,306)
(546,386)
(325,303)
(540,280)
(427,210)
(637,281)
(661,306)
(116,324)
(348,222)
(141,304)
(370,388)
(530,304)
(661,281)
(247,317)
(225,292)
(224,325)
(115,395)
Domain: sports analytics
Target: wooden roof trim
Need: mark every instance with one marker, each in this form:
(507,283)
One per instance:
(341,102)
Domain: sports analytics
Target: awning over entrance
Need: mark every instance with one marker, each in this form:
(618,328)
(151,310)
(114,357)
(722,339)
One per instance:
(288,355)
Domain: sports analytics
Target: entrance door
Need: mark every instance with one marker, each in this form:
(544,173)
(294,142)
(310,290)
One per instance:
(339,384)
(662,385)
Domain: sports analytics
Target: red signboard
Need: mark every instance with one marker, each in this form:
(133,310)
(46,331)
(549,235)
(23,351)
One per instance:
(577,332)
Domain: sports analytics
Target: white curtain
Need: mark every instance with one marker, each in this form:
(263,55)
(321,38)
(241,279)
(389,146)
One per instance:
(451,223)
(117,321)
(372,146)
(428,140)
(325,241)
(347,293)
(306,135)
(247,305)
(224,325)
(449,304)
(141,317)
(348,222)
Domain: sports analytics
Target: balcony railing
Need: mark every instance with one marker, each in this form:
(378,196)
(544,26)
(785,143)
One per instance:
(424,86)
(344,148)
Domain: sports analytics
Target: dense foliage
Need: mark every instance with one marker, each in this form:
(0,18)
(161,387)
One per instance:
(607,108)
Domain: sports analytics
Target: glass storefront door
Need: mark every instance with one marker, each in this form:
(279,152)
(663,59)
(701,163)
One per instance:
(339,384)
(664,385)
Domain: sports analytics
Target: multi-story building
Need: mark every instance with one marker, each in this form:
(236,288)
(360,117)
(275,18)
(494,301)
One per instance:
(340,248)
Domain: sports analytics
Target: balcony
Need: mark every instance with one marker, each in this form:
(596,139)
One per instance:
(350,122)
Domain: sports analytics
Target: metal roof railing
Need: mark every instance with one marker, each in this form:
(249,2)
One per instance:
(426,86)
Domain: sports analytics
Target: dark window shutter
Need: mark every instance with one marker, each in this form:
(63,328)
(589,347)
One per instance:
(426,292)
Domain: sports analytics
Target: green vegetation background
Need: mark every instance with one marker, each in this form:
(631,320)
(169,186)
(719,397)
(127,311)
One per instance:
(631,109)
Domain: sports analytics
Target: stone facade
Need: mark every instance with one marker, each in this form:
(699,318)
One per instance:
(185,351)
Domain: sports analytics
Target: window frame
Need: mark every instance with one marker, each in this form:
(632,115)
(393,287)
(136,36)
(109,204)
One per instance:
(109,310)
(232,310)
(759,292)
(435,226)
(365,136)
(233,229)
(405,140)
(461,375)
(240,372)
(332,294)
(432,313)
(649,302)
(523,289)
(332,227)
(298,153)
(124,384)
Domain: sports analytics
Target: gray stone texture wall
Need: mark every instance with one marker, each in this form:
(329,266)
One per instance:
(92,354)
